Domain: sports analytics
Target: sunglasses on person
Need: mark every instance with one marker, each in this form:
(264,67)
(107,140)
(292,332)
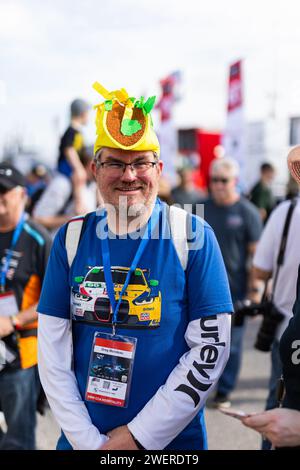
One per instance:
(216,179)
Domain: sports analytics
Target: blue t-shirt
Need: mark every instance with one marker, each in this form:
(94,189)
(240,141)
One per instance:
(157,307)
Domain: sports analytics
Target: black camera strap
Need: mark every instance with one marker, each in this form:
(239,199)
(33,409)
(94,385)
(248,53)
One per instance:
(283,243)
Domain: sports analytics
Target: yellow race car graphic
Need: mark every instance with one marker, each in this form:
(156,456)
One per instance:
(140,305)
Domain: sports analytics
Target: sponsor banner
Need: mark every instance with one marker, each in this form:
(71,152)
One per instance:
(234,135)
(235,94)
(167,132)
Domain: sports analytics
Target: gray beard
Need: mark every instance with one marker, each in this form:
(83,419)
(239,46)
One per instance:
(133,211)
(123,217)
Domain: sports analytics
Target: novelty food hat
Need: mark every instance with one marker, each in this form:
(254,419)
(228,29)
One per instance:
(124,122)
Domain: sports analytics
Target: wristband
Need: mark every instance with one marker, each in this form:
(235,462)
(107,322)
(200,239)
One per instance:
(15,322)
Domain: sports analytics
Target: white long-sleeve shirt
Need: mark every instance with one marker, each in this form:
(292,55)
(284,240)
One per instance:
(172,407)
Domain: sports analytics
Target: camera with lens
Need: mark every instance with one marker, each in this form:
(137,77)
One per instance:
(245,308)
(271,319)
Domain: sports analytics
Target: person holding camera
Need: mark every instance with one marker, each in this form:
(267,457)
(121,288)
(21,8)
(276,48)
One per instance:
(278,257)
(237,225)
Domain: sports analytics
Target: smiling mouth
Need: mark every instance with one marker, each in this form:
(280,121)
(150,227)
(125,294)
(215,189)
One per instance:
(128,190)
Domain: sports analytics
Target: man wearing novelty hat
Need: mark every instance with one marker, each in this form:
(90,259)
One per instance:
(148,320)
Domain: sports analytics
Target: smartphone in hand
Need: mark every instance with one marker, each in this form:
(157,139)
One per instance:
(238,414)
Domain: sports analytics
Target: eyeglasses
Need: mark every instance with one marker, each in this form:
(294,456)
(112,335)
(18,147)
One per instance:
(215,179)
(119,168)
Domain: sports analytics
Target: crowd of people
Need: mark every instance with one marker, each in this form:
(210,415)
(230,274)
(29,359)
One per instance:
(135,299)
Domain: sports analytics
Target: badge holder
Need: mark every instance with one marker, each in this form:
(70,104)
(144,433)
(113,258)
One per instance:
(110,369)
(112,356)
(8,301)
(8,304)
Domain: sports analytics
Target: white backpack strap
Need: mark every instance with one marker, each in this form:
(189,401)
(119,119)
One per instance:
(72,238)
(178,223)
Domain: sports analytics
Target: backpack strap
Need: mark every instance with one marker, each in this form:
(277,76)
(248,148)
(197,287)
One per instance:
(283,242)
(178,225)
(74,232)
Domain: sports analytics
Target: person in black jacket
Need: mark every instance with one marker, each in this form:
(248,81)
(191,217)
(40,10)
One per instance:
(282,425)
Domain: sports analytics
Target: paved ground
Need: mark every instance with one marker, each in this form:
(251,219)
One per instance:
(223,432)
(228,433)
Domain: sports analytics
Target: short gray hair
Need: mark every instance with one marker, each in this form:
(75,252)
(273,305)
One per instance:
(96,157)
(227,163)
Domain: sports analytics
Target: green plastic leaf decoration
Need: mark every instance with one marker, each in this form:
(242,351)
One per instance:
(130,126)
(148,106)
(108,104)
(140,102)
(132,99)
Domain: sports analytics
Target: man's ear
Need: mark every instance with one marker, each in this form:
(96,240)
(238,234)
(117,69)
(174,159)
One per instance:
(94,168)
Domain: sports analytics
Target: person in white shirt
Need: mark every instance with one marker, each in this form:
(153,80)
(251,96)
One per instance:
(60,202)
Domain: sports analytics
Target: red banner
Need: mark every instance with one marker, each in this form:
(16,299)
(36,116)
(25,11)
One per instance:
(235,95)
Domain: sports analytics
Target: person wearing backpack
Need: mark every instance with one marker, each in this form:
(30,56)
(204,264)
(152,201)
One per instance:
(134,316)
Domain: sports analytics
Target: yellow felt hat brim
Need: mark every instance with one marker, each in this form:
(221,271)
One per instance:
(148,141)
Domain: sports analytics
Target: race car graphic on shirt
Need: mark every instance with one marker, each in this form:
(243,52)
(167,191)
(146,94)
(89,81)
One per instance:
(140,305)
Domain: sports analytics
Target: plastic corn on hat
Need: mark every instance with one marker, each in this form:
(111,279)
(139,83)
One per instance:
(124,122)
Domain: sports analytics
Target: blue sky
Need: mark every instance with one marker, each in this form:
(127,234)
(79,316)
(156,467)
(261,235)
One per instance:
(52,51)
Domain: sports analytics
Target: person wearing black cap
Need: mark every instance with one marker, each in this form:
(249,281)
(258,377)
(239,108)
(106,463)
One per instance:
(24,249)
(10,178)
